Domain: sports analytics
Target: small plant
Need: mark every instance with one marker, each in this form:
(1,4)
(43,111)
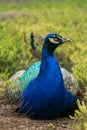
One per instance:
(50,126)
(80,118)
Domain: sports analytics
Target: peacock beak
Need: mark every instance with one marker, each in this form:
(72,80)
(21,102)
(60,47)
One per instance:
(66,40)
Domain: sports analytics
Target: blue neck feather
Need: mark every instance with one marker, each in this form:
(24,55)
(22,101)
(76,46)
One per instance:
(46,53)
(49,64)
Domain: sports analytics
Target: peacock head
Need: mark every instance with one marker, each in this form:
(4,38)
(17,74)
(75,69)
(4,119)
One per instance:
(52,41)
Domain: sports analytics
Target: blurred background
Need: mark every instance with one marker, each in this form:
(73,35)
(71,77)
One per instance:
(18,18)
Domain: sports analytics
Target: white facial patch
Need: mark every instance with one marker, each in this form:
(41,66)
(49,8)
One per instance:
(54,40)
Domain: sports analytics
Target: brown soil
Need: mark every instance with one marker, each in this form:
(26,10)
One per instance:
(10,120)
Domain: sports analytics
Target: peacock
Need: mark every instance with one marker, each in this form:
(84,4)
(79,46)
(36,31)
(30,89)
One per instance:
(45,96)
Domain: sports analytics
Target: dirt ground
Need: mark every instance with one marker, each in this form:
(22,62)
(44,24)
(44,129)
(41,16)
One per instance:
(11,120)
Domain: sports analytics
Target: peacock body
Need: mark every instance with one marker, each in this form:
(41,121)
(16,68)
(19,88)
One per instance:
(45,96)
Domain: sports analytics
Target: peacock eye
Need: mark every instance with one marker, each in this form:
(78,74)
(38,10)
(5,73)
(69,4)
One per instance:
(55,39)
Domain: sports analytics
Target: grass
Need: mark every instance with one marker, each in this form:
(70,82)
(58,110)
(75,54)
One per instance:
(67,18)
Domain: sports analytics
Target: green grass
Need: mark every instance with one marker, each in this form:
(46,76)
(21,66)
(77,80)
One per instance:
(65,17)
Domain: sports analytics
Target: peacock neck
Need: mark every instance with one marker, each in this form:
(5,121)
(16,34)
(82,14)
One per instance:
(49,64)
(46,52)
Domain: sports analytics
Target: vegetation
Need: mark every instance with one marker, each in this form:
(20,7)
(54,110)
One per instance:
(66,17)
(80,117)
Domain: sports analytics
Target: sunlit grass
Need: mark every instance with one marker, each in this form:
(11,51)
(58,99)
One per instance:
(67,18)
